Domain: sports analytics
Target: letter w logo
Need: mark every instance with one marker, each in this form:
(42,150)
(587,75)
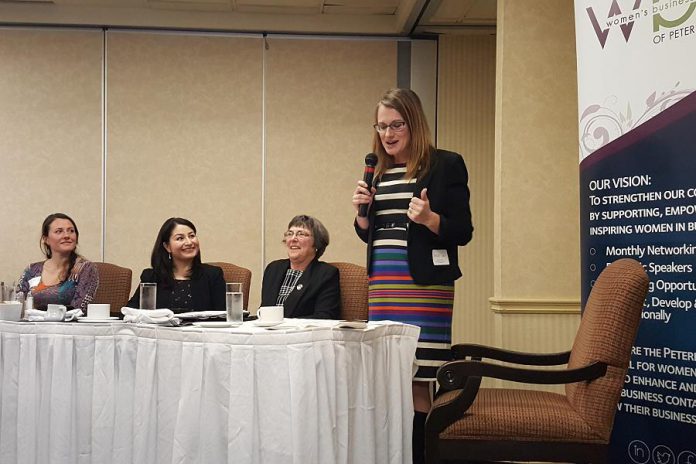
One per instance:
(614,10)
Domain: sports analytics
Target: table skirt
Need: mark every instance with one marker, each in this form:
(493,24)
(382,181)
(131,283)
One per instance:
(123,393)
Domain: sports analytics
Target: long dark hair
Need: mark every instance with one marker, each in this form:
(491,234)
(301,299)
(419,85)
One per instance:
(161,262)
(46,250)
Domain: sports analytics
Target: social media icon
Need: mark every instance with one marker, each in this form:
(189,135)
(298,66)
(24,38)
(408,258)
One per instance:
(639,452)
(663,455)
(686,457)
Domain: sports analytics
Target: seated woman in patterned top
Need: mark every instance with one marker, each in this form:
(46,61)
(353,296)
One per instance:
(183,282)
(303,285)
(64,277)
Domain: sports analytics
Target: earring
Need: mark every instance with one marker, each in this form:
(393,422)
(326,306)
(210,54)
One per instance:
(170,256)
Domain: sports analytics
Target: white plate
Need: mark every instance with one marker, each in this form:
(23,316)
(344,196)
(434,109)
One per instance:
(284,327)
(200,314)
(204,314)
(93,320)
(216,324)
(352,325)
(259,323)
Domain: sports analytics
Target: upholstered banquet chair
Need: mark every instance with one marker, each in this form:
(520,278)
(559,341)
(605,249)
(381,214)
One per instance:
(114,286)
(500,424)
(234,273)
(353,281)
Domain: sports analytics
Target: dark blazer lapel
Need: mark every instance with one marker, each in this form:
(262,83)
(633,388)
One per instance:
(423,182)
(272,280)
(298,292)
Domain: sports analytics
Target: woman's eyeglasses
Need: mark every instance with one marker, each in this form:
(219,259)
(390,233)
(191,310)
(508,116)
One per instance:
(300,234)
(395,126)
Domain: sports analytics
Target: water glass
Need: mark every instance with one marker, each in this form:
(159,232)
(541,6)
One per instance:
(234,302)
(148,295)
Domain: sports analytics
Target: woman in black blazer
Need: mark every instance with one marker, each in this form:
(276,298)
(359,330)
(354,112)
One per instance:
(303,285)
(183,282)
(418,216)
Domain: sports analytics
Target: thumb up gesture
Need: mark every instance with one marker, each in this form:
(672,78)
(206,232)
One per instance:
(419,209)
(419,212)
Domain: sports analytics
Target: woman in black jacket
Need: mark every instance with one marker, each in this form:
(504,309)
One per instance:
(303,285)
(418,215)
(183,282)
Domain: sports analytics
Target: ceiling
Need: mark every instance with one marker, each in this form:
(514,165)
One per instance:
(335,17)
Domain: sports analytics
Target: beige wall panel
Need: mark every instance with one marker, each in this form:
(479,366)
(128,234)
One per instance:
(184,139)
(50,133)
(538,229)
(320,100)
(466,125)
(535,333)
(536,218)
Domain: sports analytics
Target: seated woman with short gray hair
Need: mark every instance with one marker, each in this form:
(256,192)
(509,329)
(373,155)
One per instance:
(303,285)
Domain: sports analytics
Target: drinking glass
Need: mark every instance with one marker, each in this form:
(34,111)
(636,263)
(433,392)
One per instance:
(234,302)
(148,295)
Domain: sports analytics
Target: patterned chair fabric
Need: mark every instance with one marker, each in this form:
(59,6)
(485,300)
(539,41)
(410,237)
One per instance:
(353,281)
(114,286)
(234,273)
(607,331)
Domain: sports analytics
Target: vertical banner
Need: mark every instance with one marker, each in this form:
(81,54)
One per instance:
(637,126)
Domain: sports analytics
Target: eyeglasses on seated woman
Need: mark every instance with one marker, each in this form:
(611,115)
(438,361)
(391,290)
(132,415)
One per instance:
(303,285)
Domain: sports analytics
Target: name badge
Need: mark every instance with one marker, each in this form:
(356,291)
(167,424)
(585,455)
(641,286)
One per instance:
(440,258)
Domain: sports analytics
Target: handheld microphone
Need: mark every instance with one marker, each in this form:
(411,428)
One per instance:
(370,163)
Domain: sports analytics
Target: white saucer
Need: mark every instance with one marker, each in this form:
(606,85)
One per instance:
(259,323)
(93,320)
(216,324)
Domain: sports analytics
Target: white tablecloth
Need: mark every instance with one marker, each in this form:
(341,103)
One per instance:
(124,393)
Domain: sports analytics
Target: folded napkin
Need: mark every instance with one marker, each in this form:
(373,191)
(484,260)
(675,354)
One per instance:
(149,316)
(36,315)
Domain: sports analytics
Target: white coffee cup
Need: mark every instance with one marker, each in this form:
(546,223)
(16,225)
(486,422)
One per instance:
(11,311)
(98,310)
(55,312)
(270,313)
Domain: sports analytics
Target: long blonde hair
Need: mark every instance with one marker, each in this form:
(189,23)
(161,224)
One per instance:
(409,106)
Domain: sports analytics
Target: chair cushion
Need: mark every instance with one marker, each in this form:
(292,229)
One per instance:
(521,415)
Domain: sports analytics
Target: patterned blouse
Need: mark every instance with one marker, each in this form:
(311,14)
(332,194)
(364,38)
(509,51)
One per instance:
(182,296)
(288,285)
(77,291)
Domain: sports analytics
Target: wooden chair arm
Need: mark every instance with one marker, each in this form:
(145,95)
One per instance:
(453,375)
(464,350)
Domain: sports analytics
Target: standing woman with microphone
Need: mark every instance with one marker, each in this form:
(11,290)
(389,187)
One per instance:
(417,215)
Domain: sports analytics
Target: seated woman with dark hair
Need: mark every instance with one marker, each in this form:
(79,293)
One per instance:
(64,277)
(303,285)
(183,282)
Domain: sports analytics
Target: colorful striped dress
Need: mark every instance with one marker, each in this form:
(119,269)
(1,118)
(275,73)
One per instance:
(392,293)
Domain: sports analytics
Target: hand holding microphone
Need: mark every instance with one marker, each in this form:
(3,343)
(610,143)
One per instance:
(362,197)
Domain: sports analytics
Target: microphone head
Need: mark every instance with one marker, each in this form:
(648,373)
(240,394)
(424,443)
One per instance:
(371,160)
